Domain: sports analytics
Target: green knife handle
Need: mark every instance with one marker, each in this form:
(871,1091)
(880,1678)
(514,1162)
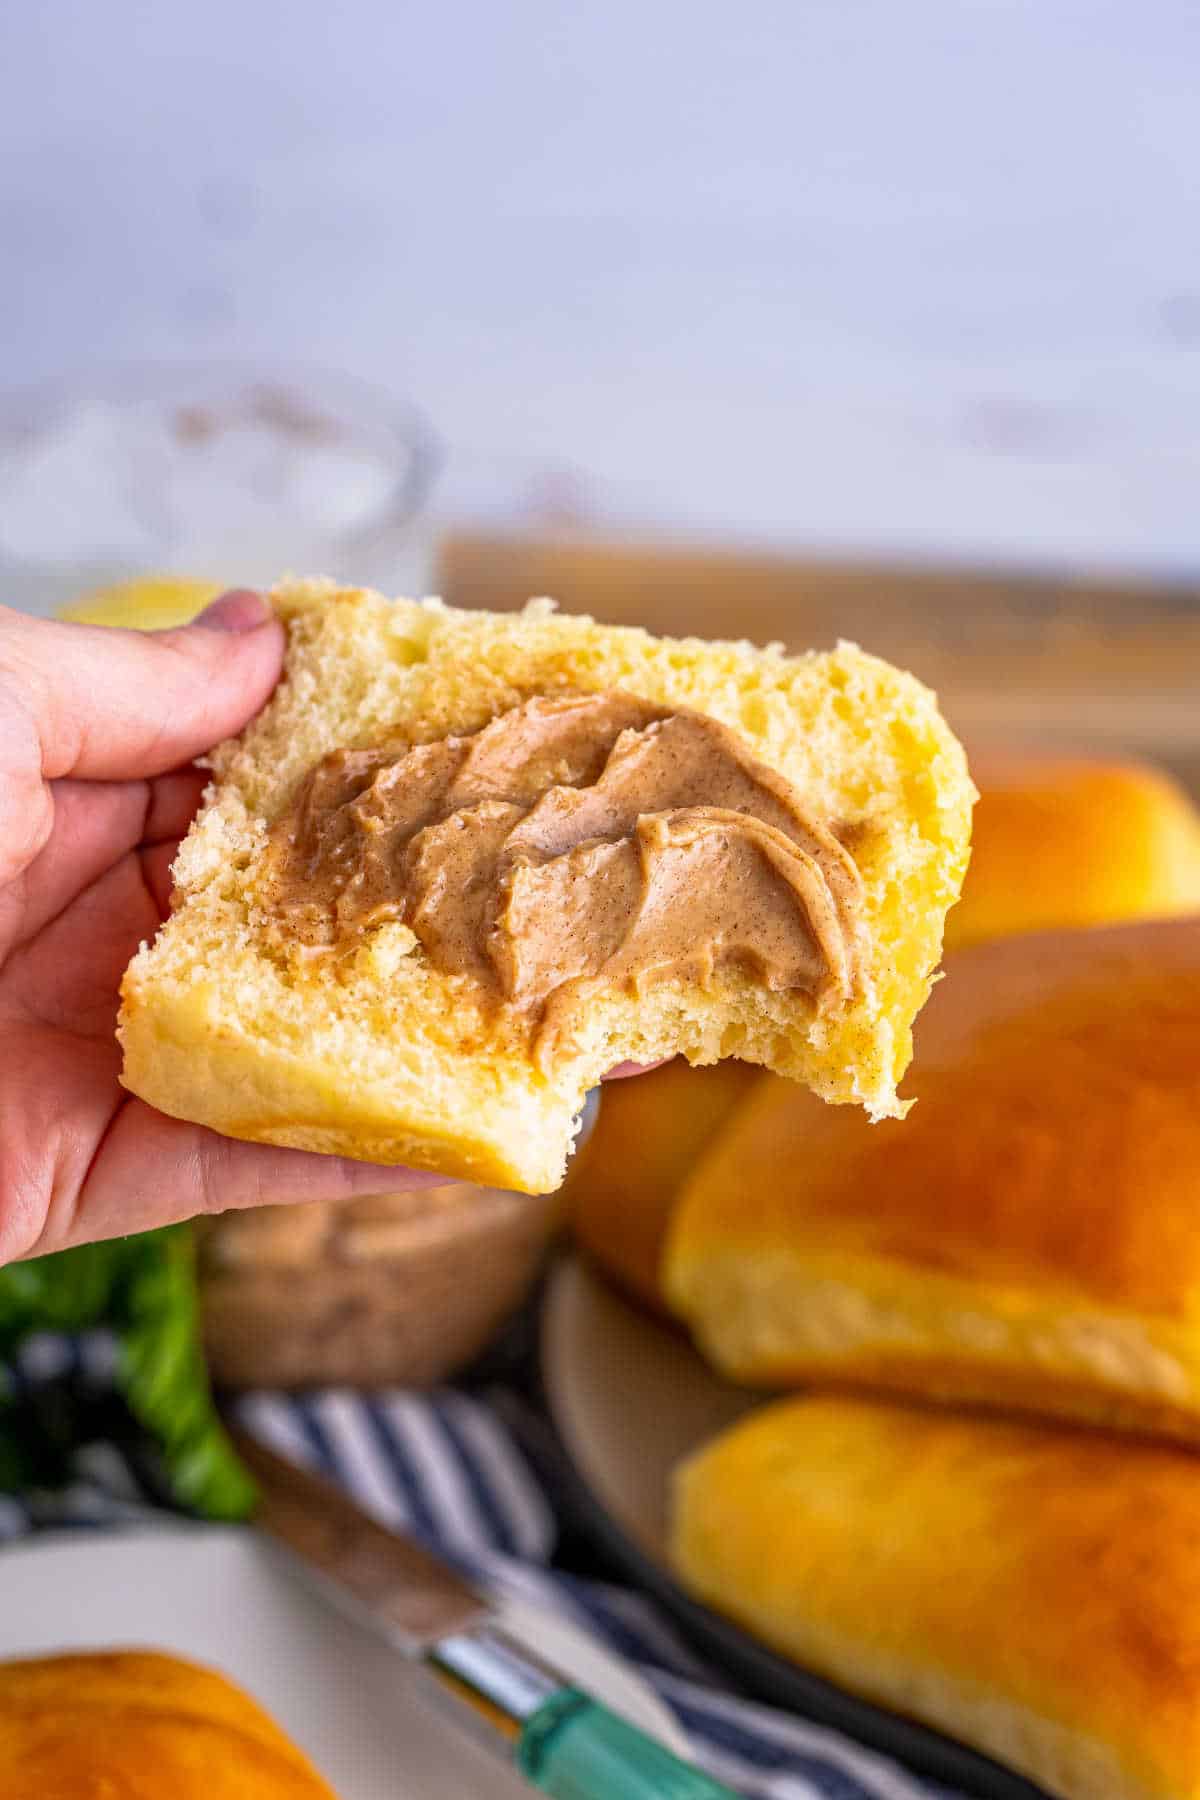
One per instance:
(575,1749)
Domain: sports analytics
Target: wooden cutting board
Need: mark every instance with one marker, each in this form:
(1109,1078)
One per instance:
(1066,660)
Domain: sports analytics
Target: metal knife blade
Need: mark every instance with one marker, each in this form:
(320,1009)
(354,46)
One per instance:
(560,1738)
(385,1580)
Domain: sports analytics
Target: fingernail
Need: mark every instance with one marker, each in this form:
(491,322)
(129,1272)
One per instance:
(240,610)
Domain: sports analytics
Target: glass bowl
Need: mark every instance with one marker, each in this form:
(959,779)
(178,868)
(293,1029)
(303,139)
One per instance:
(226,473)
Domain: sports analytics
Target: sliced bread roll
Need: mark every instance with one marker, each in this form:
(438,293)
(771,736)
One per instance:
(377,1044)
(1027,1589)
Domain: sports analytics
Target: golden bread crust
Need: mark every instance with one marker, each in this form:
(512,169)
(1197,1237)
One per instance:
(1065,841)
(1028,1590)
(135,1725)
(649,1135)
(1029,1237)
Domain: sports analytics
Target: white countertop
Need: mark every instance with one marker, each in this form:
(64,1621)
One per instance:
(838,273)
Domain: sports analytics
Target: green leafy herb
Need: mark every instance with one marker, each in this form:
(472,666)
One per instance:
(144,1289)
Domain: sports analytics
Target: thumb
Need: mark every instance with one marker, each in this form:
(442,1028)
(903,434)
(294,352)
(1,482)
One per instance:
(112,705)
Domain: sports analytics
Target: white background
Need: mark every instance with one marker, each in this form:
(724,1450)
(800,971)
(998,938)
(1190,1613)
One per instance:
(903,274)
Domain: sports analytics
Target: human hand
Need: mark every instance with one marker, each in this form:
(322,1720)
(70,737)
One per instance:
(97,731)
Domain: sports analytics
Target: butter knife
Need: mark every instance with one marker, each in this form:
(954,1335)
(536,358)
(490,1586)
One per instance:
(560,1739)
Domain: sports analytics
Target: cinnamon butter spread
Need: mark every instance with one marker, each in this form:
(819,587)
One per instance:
(578,842)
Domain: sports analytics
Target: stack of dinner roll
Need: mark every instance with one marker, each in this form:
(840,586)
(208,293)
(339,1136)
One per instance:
(979,1502)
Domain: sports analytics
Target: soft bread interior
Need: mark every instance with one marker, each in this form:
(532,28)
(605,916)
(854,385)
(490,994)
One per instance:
(391,1060)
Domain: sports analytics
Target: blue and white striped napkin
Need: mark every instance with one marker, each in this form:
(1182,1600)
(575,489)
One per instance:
(448,1468)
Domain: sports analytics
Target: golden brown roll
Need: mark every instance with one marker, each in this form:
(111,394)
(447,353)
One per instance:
(464,863)
(1030,1590)
(1067,841)
(648,1135)
(136,1725)
(1029,1237)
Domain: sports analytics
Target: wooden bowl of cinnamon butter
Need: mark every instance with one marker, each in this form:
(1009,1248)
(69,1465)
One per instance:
(392,1289)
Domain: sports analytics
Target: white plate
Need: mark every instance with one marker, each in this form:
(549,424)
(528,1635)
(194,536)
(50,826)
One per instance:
(218,1595)
(630,1398)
